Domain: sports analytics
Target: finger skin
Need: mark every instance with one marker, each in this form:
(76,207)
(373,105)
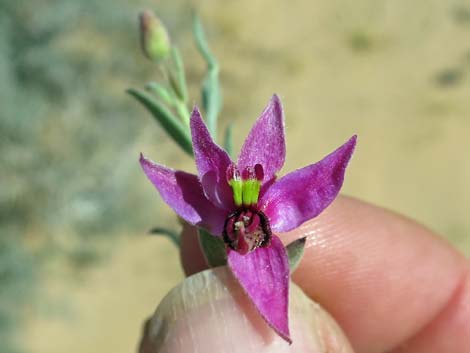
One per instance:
(449,331)
(383,277)
(209,312)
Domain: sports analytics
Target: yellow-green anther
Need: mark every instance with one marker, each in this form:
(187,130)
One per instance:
(237,190)
(256,189)
(251,189)
(247,186)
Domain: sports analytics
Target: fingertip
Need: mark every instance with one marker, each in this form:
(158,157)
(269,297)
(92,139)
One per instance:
(209,312)
(364,263)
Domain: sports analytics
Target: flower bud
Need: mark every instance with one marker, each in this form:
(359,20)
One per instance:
(154,37)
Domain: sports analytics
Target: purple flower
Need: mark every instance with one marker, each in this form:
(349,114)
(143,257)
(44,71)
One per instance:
(247,206)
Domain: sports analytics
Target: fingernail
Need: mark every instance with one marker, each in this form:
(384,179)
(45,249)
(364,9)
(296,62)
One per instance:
(209,312)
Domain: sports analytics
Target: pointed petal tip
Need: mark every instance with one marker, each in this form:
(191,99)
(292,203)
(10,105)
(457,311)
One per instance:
(195,113)
(183,193)
(353,139)
(197,125)
(350,146)
(277,107)
(276,99)
(303,194)
(276,103)
(265,143)
(286,338)
(284,335)
(146,163)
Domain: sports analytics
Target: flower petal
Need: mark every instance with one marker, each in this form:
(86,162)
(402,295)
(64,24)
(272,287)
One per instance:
(212,163)
(264,275)
(304,193)
(266,143)
(183,193)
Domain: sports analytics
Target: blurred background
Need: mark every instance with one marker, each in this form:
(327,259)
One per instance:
(78,271)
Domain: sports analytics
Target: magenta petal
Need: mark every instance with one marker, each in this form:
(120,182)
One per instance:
(264,275)
(266,143)
(304,193)
(212,163)
(183,193)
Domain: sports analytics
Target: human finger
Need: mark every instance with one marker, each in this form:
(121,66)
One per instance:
(382,276)
(209,312)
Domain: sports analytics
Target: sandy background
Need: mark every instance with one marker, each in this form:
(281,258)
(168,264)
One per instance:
(395,73)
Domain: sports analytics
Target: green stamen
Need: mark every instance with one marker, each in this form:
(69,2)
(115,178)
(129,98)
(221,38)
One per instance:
(256,189)
(245,186)
(250,191)
(237,189)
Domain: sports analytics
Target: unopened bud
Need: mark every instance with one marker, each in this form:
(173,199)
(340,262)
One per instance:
(154,37)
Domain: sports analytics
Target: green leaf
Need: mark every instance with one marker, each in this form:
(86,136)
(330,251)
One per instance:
(170,99)
(161,92)
(211,93)
(228,140)
(295,251)
(182,111)
(167,120)
(170,234)
(178,77)
(213,248)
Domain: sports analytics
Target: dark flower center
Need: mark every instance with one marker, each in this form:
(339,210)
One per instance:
(247,229)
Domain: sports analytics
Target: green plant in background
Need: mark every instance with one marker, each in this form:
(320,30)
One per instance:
(167,101)
(62,116)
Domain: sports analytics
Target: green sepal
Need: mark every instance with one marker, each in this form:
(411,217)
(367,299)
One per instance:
(173,236)
(295,252)
(213,248)
(211,94)
(167,120)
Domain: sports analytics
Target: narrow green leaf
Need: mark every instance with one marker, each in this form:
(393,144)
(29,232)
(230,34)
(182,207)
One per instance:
(295,251)
(161,92)
(178,77)
(213,248)
(166,119)
(201,42)
(170,99)
(228,140)
(170,234)
(212,99)
(182,110)
(211,93)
